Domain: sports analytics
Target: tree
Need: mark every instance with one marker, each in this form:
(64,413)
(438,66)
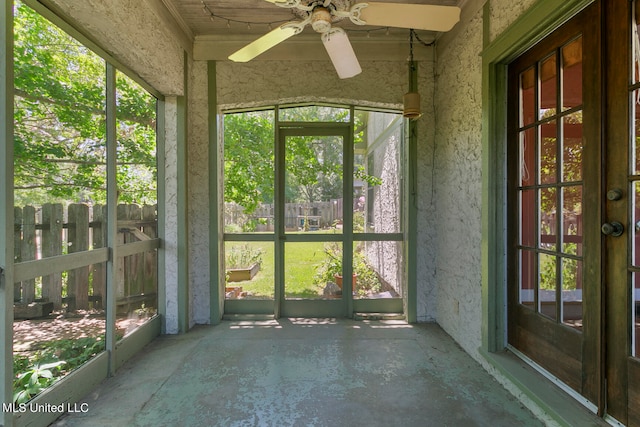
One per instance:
(60,120)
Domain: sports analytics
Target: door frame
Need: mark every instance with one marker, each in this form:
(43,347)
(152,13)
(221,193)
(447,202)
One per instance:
(575,357)
(347,305)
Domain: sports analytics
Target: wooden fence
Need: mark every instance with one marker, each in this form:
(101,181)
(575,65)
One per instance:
(325,214)
(53,230)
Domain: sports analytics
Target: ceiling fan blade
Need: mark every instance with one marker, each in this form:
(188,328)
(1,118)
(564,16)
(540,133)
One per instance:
(341,53)
(416,16)
(264,43)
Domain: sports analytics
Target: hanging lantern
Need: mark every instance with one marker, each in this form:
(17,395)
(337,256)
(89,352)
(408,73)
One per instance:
(411,101)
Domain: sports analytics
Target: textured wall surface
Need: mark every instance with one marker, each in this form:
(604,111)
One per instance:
(199,206)
(505,12)
(458,189)
(135,35)
(267,82)
(171,216)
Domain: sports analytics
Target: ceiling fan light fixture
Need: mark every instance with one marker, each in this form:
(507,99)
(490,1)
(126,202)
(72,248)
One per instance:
(341,53)
(321,20)
(411,101)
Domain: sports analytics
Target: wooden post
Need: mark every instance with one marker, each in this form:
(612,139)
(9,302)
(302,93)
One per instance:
(149,214)
(121,287)
(99,237)
(135,275)
(52,246)
(17,253)
(78,241)
(28,250)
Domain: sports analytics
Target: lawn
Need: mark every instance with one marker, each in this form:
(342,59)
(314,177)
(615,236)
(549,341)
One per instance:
(300,261)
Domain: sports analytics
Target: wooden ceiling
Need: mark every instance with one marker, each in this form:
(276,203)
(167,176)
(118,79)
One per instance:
(255,17)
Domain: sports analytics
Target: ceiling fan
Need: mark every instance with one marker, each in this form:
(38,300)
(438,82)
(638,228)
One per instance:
(322,14)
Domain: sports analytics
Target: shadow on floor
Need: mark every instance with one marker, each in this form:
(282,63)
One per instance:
(301,372)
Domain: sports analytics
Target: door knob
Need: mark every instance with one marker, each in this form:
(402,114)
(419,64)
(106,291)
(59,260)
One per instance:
(614,229)
(615,194)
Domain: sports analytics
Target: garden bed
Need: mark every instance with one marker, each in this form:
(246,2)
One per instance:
(242,274)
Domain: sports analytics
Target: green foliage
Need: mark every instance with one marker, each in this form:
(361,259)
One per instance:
(55,359)
(242,256)
(60,121)
(32,381)
(249,159)
(367,280)
(569,270)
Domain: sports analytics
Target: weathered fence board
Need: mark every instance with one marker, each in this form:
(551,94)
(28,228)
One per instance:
(52,220)
(54,230)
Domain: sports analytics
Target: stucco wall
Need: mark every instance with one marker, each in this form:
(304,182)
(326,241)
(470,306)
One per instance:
(458,186)
(458,172)
(136,33)
(199,205)
(264,82)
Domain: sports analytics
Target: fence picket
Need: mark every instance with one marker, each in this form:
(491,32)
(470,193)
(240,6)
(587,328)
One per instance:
(47,234)
(52,220)
(78,241)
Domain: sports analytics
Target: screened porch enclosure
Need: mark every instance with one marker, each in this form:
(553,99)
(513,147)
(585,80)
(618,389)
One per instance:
(301,184)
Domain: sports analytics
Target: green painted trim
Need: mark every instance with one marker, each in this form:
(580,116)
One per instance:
(278,223)
(6,207)
(162,202)
(266,306)
(550,399)
(536,23)
(486,24)
(216,226)
(112,225)
(70,390)
(411,191)
(183,203)
(347,205)
(128,346)
(378,305)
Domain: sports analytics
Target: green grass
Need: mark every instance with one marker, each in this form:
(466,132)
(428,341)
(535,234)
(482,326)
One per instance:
(300,261)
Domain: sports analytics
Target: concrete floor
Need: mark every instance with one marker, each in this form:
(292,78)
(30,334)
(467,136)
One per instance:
(303,372)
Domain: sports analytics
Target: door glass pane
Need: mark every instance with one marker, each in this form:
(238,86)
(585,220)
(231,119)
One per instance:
(547,285)
(547,218)
(635,140)
(527,218)
(378,269)
(572,74)
(377,177)
(548,153)
(572,147)
(548,87)
(313,184)
(248,172)
(249,268)
(527,97)
(572,292)
(527,278)
(527,157)
(313,270)
(635,209)
(572,220)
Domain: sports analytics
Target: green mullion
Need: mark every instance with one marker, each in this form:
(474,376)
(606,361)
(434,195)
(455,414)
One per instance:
(278,223)
(6,207)
(216,243)
(411,309)
(347,232)
(112,222)
(162,202)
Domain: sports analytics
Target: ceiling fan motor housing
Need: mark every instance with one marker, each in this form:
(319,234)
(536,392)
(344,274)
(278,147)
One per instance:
(321,19)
